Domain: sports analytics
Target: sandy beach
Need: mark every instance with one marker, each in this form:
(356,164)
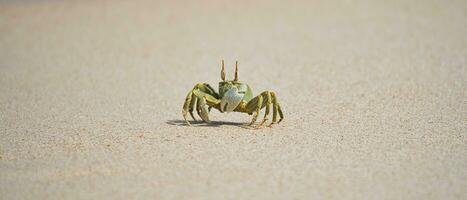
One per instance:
(373,93)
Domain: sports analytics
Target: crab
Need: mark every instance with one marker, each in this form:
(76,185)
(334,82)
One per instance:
(233,96)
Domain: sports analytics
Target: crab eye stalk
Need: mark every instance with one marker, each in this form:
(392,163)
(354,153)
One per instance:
(223,71)
(236,71)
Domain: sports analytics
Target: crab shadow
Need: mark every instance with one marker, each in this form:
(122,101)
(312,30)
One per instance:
(204,124)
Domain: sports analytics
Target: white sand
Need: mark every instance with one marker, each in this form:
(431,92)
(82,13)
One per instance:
(373,93)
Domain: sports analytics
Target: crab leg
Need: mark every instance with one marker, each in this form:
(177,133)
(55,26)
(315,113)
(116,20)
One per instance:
(194,99)
(268,100)
(186,106)
(281,115)
(198,108)
(265,99)
(254,105)
(276,110)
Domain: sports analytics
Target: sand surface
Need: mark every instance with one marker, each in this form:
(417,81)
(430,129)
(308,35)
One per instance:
(373,92)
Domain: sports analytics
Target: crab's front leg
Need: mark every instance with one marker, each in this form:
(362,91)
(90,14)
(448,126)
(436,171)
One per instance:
(277,110)
(199,97)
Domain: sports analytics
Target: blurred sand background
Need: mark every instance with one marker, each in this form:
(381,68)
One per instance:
(374,95)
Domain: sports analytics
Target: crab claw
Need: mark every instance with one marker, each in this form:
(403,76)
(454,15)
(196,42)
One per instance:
(202,105)
(203,111)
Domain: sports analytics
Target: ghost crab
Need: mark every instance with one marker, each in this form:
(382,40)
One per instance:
(233,96)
